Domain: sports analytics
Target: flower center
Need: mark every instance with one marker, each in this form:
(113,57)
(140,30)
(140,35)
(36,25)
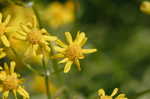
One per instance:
(2,29)
(73,51)
(34,37)
(11,82)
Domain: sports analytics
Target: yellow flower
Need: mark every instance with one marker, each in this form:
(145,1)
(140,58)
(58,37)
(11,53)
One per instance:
(73,51)
(9,81)
(4,28)
(102,94)
(38,85)
(2,53)
(37,39)
(60,14)
(145,7)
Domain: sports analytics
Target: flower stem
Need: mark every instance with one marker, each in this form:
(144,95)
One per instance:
(46,77)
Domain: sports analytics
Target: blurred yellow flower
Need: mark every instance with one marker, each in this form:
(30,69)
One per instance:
(38,85)
(58,14)
(102,94)
(4,28)
(73,51)
(2,53)
(145,7)
(37,39)
(9,81)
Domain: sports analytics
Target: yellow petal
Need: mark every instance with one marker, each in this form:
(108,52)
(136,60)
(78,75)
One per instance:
(114,92)
(35,23)
(6,68)
(60,43)
(23,92)
(87,51)
(14,92)
(64,60)
(121,96)
(11,29)
(5,41)
(7,20)
(80,37)
(20,37)
(2,54)
(43,30)
(77,62)
(47,48)
(22,33)
(5,94)
(68,37)
(1,88)
(1,68)
(35,47)
(58,56)
(29,51)
(68,66)
(49,38)
(83,41)
(101,92)
(12,66)
(59,49)
(1,16)
(25,28)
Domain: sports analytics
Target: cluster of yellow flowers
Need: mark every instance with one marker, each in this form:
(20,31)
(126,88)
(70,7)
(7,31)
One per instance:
(38,41)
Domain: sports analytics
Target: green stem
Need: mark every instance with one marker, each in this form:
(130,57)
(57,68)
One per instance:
(46,77)
(55,66)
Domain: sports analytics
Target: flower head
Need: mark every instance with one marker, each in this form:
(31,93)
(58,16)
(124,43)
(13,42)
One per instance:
(38,39)
(145,7)
(102,94)
(4,29)
(60,14)
(2,53)
(73,51)
(9,81)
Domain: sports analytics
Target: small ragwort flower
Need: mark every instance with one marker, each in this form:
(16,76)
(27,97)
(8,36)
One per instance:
(102,94)
(9,81)
(38,39)
(73,51)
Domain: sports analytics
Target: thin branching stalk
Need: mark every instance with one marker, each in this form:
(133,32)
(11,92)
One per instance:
(46,77)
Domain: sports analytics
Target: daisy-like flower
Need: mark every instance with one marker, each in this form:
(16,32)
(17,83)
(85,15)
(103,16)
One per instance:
(4,28)
(2,53)
(38,39)
(73,51)
(9,81)
(102,95)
